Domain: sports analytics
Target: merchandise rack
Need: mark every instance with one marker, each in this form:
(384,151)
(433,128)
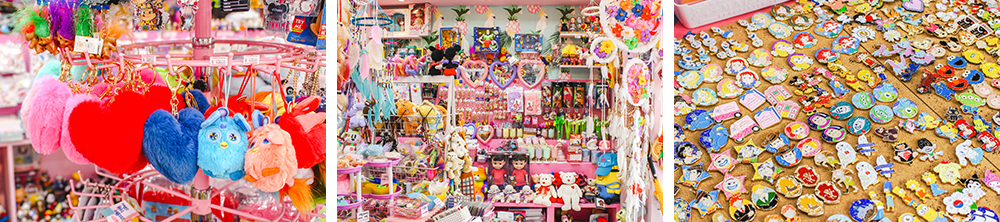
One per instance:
(268,55)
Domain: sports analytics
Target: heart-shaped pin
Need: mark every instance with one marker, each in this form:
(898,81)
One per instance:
(913,5)
(474,72)
(531,72)
(484,133)
(502,74)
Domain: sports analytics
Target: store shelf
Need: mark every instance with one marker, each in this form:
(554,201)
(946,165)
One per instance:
(555,205)
(573,35)
(348,170)
(390,37)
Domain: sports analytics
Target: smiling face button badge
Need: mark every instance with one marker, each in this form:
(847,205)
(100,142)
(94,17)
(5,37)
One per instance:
(732,185)
(858,125)
(764,197)
(863,100)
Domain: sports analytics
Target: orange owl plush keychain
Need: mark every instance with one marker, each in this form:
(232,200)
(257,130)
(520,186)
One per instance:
(270,162)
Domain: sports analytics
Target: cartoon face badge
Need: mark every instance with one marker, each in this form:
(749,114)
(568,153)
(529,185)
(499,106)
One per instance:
(970,99)
(706,202)
(992,181)
(779,30)
(905,108)
(782,48)
(741,210)
(764,197)
(881,114)
(983,214)
(711,72)
(903,153)
(796,130)
(846,44)
(809,147)
(807,175)
(690,79)
(705,97)
(885,92)
(828,28)
(799,61)
(728,88)
(766,171)
(748,79)
(774,74)
(757,21)
(686,153)
(732,185)
(810,204)
(800,22)
(760,57)
(842,110)
(776,142)
(826,55)
(819,121)
(948,172)
(828,192)
(790,157)
(863,100)
(748,152)
(834,133)
(858,125)
(788,186)
(782,12)
(803,40)
(682,211)
(722,162)
(736,65)
(693,175)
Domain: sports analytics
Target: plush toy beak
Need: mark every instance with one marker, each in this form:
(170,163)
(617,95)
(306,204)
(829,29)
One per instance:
(224,145)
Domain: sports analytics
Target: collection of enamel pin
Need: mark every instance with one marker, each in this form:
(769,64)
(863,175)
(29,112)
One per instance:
(959,31)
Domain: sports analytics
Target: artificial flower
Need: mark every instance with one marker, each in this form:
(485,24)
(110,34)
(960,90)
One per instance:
(630,22)
(632,43)
(617,30)
(637,9)
(646,15)
(957,203)
(643,25)
(612,9)
(621,15)
(645,36)
(626,4)
(628,32)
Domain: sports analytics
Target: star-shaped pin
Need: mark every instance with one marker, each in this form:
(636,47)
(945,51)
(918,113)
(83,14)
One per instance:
(748,152)
(766,171)
(706,202)
(693,175)
(722,162)
(731,185)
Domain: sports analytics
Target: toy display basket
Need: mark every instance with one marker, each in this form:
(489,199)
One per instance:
(695,14)
(410,125)
(410,172)
(409,208)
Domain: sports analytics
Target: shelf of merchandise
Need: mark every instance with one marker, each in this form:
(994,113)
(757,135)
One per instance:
(550,210)
(578,67)
(430,214)
(7,159)
(574,35)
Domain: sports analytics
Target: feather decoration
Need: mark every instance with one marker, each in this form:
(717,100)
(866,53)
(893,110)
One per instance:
(32,22)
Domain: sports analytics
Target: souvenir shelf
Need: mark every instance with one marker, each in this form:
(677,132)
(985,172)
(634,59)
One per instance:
(355,175)
(579,67)
(550,210)
(382,170)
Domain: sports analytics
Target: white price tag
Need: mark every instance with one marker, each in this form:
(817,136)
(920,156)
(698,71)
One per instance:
(438,203)
(251,59)
(151,59)
(80,44)
(95,45)
(504,216)
(385,180)
(219,61)
(362,215)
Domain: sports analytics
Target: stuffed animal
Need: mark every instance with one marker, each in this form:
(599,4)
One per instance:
(512,195)
(356,115)
(570,192)
(590,191)
(270,161)
(436,66)
(450,62)
(432,116)
(351,140)
(222,144)
(495,194)
(459,146)
(526,194)
(454,165)
(544,189)
(408,116)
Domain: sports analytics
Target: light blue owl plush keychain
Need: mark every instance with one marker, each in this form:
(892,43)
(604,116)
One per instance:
(222,145)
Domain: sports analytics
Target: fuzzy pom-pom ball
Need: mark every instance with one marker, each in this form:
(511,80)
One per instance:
(45,117)
(66,141)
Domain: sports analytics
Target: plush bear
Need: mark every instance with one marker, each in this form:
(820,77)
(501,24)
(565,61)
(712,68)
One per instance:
(450,62)
(437,56)
(453,166)
(408,116)
(570,192)
(544,189)
(459,146)
(590,191)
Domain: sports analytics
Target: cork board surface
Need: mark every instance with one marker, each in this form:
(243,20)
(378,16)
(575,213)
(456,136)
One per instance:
(930,103)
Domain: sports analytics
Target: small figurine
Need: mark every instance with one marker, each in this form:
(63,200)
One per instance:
(527,194)
(590,191)
(495,194)
(512,195)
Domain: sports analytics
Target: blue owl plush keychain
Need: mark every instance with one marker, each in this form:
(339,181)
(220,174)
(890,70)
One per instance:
(222,144)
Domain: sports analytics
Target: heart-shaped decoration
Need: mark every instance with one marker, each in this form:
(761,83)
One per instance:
(46,114)
(91,123)
(171,145)
(637,78)
(502,74)
(913,5)
(484,133)
(470,130)
(474,72)
(531,72)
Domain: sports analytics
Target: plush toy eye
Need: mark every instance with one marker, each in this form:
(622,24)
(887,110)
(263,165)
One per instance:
(267,142)
(214,135)
(233,138)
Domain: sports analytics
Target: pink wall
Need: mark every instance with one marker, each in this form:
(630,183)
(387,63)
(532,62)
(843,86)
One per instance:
(58,165)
